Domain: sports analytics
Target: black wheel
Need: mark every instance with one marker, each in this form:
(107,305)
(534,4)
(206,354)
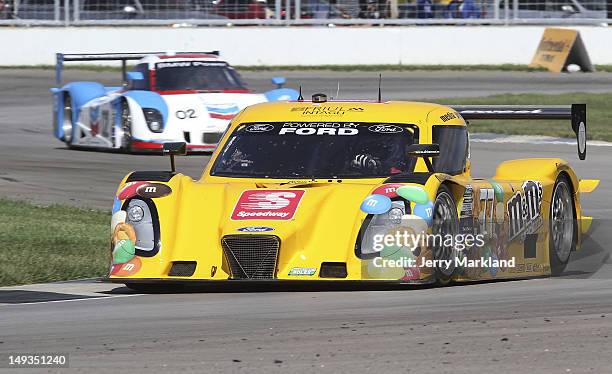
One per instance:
(562,234)
(445,222)
(126,128)
(67,121)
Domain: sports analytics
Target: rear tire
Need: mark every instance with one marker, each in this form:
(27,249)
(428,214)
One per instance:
(67,121)
(126,128)
(562,240)
(445,222)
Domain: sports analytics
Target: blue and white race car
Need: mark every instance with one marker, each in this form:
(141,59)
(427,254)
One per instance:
(181,97)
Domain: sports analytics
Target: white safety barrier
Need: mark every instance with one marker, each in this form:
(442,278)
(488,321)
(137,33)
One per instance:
(426,45)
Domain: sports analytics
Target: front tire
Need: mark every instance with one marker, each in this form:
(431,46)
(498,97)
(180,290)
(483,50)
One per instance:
(126,128)
(562,231)
(445,222)
(67,121)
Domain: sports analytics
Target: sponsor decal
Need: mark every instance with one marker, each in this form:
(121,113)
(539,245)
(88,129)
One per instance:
(385,129)
(524,210)
(127,269)
(302,271)
(319,128)
(185,114)
(486,217)
(412,273)
(425,211)
(415,194)
(123,252)
(129,190)
(466,215)
(123,231)
(301,181)
(581,138)
(153,190)
(389,190)
(255,229)
(118,217)
(94,113)
(105,123)
(448,116)
(94,130)
(501,111)
(267,204)
(222,111)
(326,110)
(376,204)
(183,64)
(259,128)
(116,205)
(213,271)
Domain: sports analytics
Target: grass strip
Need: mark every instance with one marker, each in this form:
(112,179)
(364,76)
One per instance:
(51,243)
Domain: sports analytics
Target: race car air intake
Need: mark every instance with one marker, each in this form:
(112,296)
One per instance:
(251,256)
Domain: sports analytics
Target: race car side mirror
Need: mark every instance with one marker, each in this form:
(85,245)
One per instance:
(174,149)
(425,151)
(279,81)
(134,76)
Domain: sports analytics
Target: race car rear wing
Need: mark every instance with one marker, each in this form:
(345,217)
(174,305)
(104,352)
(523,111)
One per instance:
(576,113)
(60,58)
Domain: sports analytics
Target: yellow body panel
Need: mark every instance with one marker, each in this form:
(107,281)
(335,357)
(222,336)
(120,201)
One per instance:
(195,217)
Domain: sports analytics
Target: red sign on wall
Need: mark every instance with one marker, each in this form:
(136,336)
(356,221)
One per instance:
(267,204)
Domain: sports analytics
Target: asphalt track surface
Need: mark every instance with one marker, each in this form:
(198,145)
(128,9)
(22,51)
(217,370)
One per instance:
(536,326)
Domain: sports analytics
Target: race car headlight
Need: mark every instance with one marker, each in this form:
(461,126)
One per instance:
(395,215)
(154,119)
(380,224)
(135,213)
(142,216)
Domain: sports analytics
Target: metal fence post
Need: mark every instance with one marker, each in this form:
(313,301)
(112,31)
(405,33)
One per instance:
(298,9)
(506,11)
(515,8)
(496,9)
(287,10)
(66,12)
(56,10)
(278,5)
(76,15)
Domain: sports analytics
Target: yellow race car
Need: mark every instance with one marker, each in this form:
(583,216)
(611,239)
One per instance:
(351,191)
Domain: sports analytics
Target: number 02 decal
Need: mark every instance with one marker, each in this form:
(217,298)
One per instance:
(187,113)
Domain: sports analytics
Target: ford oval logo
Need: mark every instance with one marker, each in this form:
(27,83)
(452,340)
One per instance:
(255,229)
(259,128)
(385,129)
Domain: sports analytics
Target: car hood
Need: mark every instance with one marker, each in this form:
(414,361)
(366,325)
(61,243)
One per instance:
(315,222)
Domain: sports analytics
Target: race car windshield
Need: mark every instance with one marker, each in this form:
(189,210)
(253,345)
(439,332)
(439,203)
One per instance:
(196,75)
(288,150)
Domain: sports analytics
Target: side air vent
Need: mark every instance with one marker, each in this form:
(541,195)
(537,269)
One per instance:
(182,269)
(211,137)
(333,270)
(251,256)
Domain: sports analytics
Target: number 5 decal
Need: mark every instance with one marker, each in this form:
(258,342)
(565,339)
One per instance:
(188,113)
